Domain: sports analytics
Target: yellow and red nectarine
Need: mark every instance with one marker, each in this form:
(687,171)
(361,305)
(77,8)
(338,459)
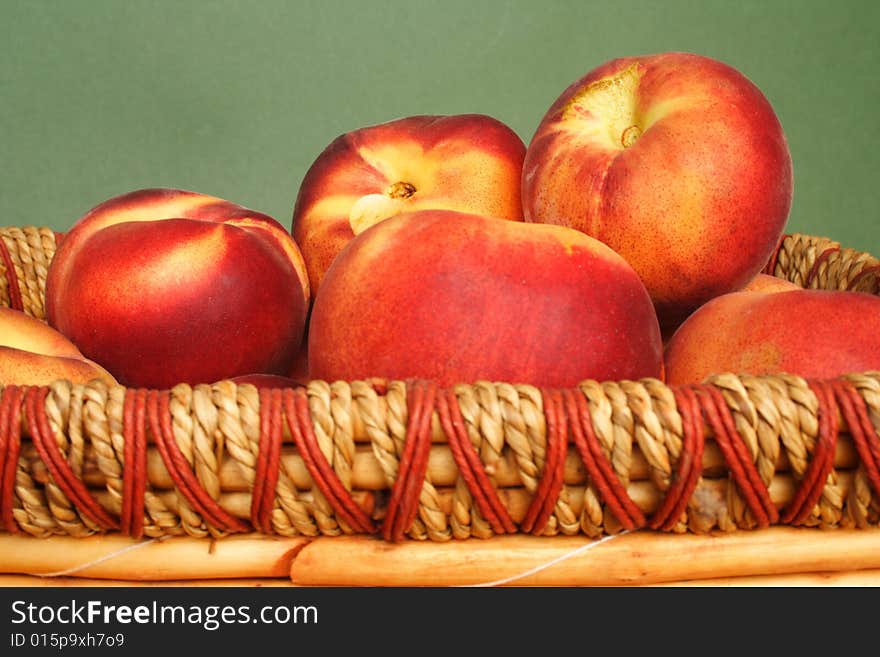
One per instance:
(769,284)
(33,353)
(676,161)
(465,162)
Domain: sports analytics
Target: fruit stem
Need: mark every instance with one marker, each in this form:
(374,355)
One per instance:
(401,189)
(630,135)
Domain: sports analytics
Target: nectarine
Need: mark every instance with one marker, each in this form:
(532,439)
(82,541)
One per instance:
(811,333)
(33,353)
(466,162)
(456,297)
(676,161)
(165,286)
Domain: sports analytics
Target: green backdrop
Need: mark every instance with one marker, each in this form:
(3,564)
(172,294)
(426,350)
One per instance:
(236,98)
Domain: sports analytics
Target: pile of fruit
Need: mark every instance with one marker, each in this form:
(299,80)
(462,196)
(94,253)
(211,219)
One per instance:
(626,241)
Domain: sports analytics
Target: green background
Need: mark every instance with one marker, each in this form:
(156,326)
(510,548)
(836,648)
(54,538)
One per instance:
(236,99)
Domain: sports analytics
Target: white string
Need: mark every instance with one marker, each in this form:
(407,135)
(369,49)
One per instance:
(106,557)
(498,582)
(552,562)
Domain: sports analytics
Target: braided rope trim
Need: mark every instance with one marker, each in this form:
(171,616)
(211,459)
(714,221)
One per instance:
(821,263)
(25,254)
(821,438)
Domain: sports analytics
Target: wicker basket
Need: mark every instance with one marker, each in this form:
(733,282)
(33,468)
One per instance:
(377,482)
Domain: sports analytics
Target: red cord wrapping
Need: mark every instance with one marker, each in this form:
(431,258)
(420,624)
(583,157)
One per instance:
(770,267)
(47,446)
(128,470)
(134,475)
(179,468)
(861,429)
(815,268)
(541,507)
(268,460)
(15,301)
(470,467)
(5,501)
(813,481)
(329,481)
(611,490)
(10,447)
(690,462)
(741,466)
(296,409)
(140,463)
(403,503)
(867,271)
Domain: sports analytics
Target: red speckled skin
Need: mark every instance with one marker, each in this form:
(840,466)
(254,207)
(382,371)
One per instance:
(455,297)
(696,204)
(165,286)
(811,333)
(299,371)
(465,162)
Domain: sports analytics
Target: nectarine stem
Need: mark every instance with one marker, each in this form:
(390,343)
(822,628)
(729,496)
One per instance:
(630,135)
(401,189)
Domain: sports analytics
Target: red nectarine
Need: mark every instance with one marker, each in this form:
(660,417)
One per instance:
(166,286)
(455,297)
(811,333)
